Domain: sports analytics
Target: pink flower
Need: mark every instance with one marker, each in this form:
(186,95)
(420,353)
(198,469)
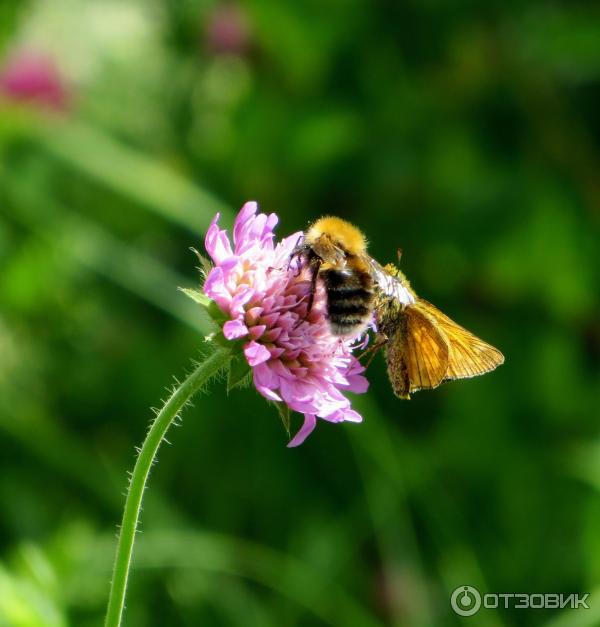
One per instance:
(294,357)
(30,77)
(228,30)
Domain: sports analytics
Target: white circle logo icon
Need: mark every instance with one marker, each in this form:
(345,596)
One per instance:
(465,600)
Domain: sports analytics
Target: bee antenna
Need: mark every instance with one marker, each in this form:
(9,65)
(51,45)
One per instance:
(399,253)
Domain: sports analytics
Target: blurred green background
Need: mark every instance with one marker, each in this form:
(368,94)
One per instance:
(466,133)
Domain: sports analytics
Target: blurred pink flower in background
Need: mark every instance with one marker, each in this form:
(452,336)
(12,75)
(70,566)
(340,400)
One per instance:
(293,355)
(228,30)
(32,77)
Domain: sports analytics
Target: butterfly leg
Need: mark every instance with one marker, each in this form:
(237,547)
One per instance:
(379,342)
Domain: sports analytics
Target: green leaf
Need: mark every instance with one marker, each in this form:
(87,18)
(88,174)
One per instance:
(206,264)
(285,414)
(239,373)
(197,296)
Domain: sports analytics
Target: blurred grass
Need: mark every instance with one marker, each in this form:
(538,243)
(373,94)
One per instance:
(468,135)
(128,172)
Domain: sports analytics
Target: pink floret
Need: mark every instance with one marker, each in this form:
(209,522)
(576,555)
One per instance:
(293,355)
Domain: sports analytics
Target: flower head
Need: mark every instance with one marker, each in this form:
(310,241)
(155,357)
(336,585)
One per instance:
(293,355)
(228,30)
(34,78)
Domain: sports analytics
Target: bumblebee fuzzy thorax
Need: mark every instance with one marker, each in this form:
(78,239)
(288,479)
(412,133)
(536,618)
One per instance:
(332,232)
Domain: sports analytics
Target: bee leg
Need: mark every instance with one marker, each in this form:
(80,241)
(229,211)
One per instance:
(295,255)
(315,265)
(300,250)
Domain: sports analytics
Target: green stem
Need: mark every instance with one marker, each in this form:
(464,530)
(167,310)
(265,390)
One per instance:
(203,372)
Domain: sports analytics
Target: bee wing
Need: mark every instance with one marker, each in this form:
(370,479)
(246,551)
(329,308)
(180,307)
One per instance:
(417,353)
(468,355)
(391,285)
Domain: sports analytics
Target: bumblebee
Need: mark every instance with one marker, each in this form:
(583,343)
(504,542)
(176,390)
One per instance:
(423,347)
(336,253)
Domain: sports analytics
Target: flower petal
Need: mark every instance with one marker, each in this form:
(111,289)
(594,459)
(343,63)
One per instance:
(242,297)
(247,212)
(217,243)
(357,384)
(350,415)
(256,331)
(310,422)
(266,381)
(234,329)
(215,288)
(256,353)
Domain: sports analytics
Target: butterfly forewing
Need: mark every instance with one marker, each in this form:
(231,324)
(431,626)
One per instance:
(468,356)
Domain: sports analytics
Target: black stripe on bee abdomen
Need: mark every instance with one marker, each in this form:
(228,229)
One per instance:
(349,299)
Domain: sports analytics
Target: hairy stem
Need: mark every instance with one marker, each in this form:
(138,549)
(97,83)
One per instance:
(139,477)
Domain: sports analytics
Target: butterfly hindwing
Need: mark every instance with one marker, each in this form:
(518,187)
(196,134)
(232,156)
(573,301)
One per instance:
(417,353)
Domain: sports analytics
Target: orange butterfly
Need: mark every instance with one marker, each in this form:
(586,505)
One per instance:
(424,347)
